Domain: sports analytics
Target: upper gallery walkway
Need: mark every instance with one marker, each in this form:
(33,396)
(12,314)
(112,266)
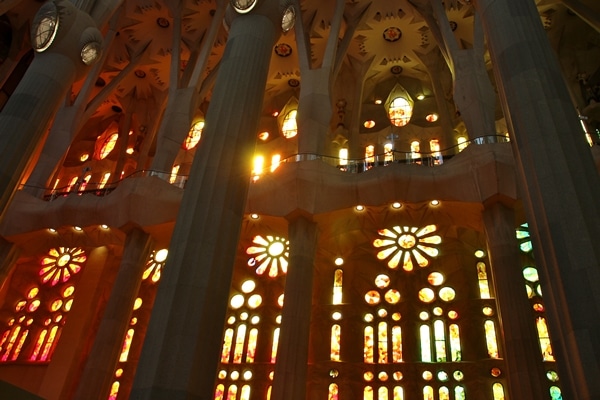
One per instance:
(480,173)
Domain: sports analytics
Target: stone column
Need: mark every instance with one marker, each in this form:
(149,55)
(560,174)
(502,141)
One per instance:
(26,115)
(8,255)
(181,351)
(98,372)
(560,185)
(292,354)
(521,350)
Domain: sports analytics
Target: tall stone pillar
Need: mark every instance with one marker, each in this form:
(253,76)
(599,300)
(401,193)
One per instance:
(26,115)
(521,348)
(292,354)
(98,371)
(8,256)
(560,184)
(181,351)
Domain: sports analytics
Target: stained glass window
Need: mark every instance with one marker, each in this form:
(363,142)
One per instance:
(269,254)
(193,136)
(290,127)
(407,246)
(35,321)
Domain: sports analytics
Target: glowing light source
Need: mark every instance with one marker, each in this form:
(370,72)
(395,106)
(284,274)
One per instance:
(399,106)
(269,254)
(369,124)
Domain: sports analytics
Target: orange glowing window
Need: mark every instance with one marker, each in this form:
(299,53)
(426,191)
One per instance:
(194,135)
(105,145)
(269,253)
(60,264)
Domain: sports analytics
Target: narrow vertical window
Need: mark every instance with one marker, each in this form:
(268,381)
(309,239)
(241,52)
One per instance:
(440,341)
(114,390)
(227,341)
(459,393)
(545,345)
(126,345)
(275,161)
(251,351)
(498,391)
(490,338)
(428,393)
(245,395)
(370,153)
(335,342)
(368,350)
(368,393)
(388,149)
(484,287)
(455,350)
(396,344)
(333,392)
(72,183)
(415,150)
(398,393)
(436,154)
(382,393)
(174,172)
(462,143)
(275,344)
(343,156)
(219,392)
(382,342)
(337,286)
(290,127)
(239,344)
(232,392)
(425,343)
(104,180)
(444,393)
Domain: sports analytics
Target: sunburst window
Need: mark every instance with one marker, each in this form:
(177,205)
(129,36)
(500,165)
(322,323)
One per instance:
(155,265)
(269,254)
(407,245)
(60,264)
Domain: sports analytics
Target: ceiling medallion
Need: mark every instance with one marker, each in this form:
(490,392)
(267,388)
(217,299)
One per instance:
(396,70)
(392,34)
(294,82)
(283,49)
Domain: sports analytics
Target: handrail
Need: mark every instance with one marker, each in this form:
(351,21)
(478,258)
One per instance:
(346,165)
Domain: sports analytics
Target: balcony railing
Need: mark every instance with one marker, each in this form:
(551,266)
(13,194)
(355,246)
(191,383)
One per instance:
(350,165)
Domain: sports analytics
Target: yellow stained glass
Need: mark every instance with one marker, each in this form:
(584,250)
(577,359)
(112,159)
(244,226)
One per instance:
(396,344)
(382,343)
(252,340)
(335,343)
(498,391)
(368,346)
(490,337)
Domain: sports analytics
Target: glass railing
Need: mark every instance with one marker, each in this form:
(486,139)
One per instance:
(433,158)
(346,165)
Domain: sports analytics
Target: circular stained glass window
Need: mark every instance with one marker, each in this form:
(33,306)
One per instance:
(254,301)
(447,294)
(435,278)
(237,301)
(426,295)
(382,281)
(392,296)
(372,297)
